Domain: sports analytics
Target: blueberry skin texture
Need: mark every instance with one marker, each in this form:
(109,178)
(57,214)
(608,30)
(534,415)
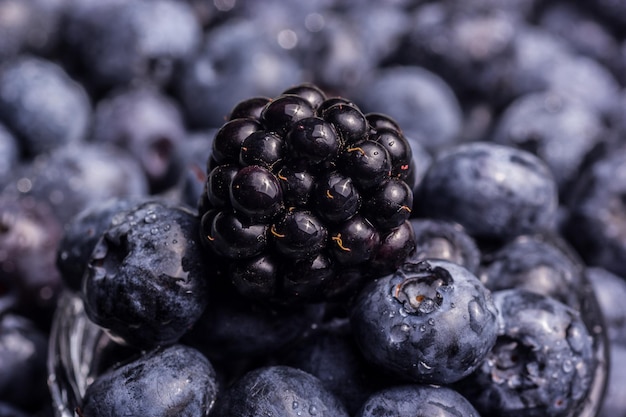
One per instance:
(278,391)
(146,278)
(495,191)
(417,400)
(168,382)
(541,365)
(430,322)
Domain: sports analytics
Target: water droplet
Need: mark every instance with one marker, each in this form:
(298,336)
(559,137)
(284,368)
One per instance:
(154,230)
(422,328)
(313,410)
(424,368)
(568,366)
(399,333)
(64,255)
(431,321)
(174,242)
(151,217)
(295,405)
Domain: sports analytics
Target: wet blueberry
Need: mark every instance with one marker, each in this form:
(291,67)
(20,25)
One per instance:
(279,391)
(494,191)
(431,322)
(166,382)
(146,277)
(421,400)
(542,362)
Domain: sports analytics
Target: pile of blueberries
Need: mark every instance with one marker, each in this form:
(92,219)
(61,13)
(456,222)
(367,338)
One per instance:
(321,208)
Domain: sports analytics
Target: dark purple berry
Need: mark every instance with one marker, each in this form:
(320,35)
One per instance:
(249,109)
(354,241)
(310,92)
(390,204)
(255,194)
(229,138)
(230,237)
(313,139)
(262,148)
(281,113)
(299,234)
(218,184)
(368,163)
(336,197)
(350,123)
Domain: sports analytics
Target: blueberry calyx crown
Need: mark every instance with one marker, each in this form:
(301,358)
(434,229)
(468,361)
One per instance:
(420,291)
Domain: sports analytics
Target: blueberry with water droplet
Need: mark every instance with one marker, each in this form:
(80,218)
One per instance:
(278,391)
(542,363)
(140,285)
(417,400)
(446,322)
(172,381)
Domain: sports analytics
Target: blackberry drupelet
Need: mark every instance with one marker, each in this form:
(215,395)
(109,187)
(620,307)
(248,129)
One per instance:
(302,189)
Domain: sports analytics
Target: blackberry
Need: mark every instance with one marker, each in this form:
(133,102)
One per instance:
(306,196)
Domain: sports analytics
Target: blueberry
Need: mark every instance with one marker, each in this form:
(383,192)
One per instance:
(540,263)
(29,27)
(431,322)
(595,39)
(420,101)
(610,289)
(279,391)
(29,236)
(494,191)
(172,381)
(593,224)
(543,122)
(542,362)
(42,104)
(235,63)
(465,44)
(614,403)
(149,125)
(71,178)
(118,42)
(146,277)
(23,372)
(421,400)
(440,239)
